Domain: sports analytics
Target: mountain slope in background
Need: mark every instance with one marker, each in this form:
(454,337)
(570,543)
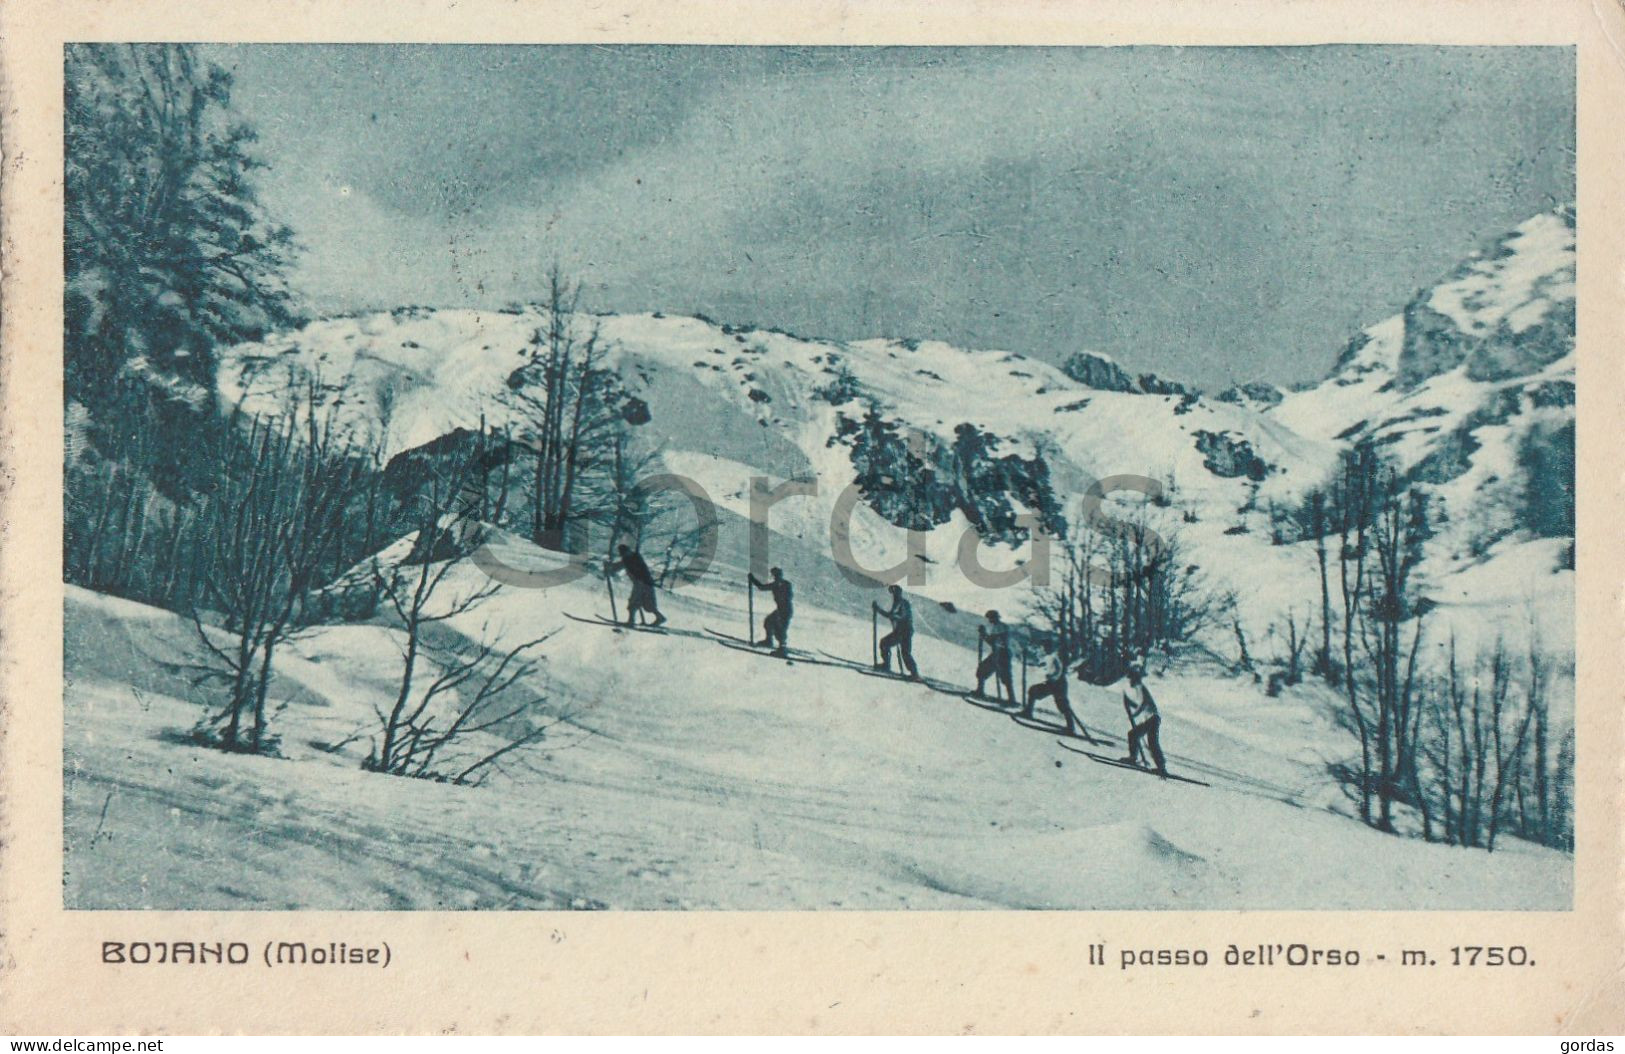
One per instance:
(1469,390)
(685,774)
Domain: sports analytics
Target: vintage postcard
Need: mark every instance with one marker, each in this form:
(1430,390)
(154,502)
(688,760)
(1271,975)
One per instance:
(823,518)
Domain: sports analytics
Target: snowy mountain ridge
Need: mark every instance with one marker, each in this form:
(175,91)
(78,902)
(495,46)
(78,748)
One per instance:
(1454,390)
(1469,391)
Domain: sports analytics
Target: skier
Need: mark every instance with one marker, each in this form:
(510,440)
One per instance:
(1054,689)
(997,662)
(901,637)
(1143,721)
(643,585)
(776,627)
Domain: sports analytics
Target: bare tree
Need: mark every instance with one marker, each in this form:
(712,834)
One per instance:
(1294,647)
(1123,592)
(1380,527)
(1354,496)
(1511,732)
(1561,832)
(276,512)
(1317,525)
(1543,813)
(573,400)
(1290,664)
(1244,660)
(452,691)
(1475,747)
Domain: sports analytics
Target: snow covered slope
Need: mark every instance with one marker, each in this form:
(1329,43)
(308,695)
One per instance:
(728,405)
(1469,390)
(805,786)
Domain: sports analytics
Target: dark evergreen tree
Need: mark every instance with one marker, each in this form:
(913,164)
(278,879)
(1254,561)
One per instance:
(168,252)
(168,255)
(1546,455)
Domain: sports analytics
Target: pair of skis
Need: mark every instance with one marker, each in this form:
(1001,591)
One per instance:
(1120,763)
(885,673)
(794,655)
(617,626)
(790,655)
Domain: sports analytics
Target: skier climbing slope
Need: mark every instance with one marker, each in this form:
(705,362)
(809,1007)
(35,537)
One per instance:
(1144,722)
(643,585)
(996,634)
(1055,690)
(776,627)
(901,637)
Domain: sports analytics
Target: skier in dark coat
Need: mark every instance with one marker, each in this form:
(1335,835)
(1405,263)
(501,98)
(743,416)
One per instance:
(1054,689)
(643,585)
(901,637)
(1144,723)
(776,627)
(997,662)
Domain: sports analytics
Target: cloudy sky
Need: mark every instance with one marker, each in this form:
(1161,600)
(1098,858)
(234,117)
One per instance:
(1210,214)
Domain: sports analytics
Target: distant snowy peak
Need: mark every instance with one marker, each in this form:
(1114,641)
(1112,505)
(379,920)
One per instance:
(1518,282)
(1507,312)
(1469,392)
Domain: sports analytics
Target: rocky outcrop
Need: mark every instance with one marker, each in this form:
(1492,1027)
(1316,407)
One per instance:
(1228,456)
(916,481)
(991,484)
(1094,370)
(1509,352)
(1433,344)
(1551,393)
(1097,371)
(1151,384)
(1350,353)
(1256,393)
(896,471)
(635,411)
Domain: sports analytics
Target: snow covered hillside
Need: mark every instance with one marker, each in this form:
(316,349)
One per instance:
(725,406)
(1470,391)
(677,771)
(685,774)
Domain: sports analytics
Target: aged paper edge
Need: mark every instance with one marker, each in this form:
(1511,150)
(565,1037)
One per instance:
(818,972)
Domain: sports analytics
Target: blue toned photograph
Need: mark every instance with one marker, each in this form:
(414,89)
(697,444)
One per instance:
(481,462)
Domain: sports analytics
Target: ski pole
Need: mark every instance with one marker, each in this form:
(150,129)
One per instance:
(979,641)
(609,585)
(874,635)
(750,610)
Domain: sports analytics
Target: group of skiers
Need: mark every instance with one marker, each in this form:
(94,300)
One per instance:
(993,637)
